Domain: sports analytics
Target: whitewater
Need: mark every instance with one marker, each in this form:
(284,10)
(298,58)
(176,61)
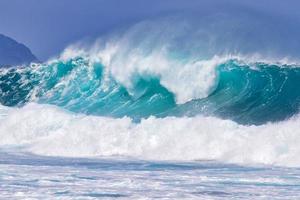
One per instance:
(139,117)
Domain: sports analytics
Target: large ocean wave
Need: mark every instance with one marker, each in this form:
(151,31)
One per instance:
(246,92)
(233,110)
(156,93)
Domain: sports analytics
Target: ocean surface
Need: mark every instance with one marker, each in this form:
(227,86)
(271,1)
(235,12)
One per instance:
(26,176)
(148,117)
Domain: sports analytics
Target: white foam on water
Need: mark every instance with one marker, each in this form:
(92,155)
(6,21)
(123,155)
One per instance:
(47,130)
(196,77)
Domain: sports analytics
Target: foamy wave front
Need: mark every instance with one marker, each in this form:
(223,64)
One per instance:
(48,130)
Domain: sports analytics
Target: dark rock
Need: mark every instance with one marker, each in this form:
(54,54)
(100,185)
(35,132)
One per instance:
(14,53)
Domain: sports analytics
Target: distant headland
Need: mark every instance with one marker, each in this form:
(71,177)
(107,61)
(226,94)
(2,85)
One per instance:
(14,53)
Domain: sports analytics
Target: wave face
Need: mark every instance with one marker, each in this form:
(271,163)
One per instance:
(248,93)
(155,93)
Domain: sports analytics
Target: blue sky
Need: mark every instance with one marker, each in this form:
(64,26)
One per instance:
(48,26)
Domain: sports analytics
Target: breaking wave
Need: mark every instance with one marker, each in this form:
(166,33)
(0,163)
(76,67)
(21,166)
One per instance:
(157,96)
(248,93)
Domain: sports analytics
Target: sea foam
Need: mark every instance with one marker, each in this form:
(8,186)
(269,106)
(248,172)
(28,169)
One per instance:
(48,130)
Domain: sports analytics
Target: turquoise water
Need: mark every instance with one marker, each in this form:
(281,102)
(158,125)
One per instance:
(74,129)
(183,106)
(253,93)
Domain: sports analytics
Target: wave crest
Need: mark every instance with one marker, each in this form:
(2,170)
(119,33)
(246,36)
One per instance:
(249,93)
